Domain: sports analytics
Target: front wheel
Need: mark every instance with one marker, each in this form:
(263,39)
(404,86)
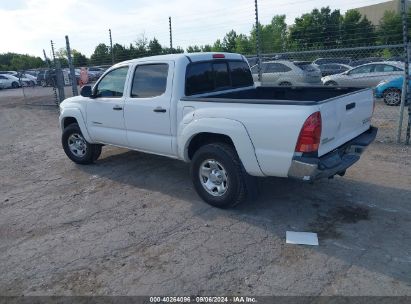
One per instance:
(77,148)
(392,97)
(218,175)
(14,85)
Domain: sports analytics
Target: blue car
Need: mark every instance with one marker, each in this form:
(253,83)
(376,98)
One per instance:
(390,90)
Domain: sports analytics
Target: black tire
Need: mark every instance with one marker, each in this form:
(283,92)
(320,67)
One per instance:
(43,83)
(331,84)
(91,151)
(14,85)
(285,84)
(392,97)
(226,156)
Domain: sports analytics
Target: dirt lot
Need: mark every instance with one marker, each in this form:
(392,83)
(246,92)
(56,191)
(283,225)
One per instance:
(132,224)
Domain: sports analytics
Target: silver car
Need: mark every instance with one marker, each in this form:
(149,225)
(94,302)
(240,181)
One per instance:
(366,75)
(287,73)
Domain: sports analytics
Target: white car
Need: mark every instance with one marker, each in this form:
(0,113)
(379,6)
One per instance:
(205,110)
(9,81)
(287,73)
(366,75)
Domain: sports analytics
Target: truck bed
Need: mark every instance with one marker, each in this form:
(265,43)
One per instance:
(279,95)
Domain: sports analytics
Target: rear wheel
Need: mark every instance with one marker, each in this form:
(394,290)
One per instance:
(14,85)
(77,148)
(392,97)
(218,175)
(43,83)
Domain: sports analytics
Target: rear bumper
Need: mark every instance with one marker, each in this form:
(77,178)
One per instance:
(335,162)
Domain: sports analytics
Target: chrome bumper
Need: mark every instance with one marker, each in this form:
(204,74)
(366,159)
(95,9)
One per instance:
(336,162)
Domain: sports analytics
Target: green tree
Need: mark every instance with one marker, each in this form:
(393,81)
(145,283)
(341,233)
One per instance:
(356,30)
(193,49)
(318,29)
(244,45)
(217,46)
(101,55)
(229,42)
(154,47)
(79,59)
(14,61)
(390,28)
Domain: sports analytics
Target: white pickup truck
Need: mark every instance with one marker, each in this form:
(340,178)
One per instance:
(205,109)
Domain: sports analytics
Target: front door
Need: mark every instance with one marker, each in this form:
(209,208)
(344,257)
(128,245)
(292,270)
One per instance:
(105,111)
(147,108)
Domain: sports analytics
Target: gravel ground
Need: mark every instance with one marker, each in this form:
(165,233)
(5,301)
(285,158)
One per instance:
(132,224)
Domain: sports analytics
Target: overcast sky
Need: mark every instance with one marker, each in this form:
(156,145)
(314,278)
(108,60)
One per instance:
(27,26)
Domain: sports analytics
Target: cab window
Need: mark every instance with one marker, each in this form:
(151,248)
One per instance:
(149,80)
(112,84)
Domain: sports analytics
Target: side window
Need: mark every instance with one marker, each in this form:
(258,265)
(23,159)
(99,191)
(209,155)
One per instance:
(362,70)
(2,77)
(277,68)
(150,80)
(199,78)
(386,68)
(240,74)
(221,77)
(112,84)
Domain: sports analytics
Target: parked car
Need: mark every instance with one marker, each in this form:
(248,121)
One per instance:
(205,110)
(9,81)
(333,68)
(363,61)
(341,60)
(390,91)
(365,76)
(287,73)
(46,78)
(26,79)
(8,72)
(95,72)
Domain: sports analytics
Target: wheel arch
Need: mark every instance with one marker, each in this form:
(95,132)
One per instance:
(73,115)
(207,130)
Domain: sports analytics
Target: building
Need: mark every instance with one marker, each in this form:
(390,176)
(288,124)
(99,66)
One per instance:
(375,12)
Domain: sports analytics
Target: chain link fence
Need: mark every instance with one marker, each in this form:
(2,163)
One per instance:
(381,67)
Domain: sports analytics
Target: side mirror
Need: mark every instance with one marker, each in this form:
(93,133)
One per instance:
(86,91)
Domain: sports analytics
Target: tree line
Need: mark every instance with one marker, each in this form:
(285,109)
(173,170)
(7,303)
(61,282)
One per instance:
(320,29)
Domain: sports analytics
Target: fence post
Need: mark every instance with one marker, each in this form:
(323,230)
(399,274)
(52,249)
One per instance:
(257,32)
(71,66)
(171,35)
(111,47)
(406,78)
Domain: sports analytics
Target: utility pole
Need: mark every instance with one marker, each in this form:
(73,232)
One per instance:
(257,31)
(71,66)
(171,35)
(111,47)
(405,90)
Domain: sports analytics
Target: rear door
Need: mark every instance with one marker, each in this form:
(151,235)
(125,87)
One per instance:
(147,108)
(344,118)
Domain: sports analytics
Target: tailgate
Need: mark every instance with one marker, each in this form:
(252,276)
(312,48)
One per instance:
(344,118)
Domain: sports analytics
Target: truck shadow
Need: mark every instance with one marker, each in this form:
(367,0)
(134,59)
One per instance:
(363,224)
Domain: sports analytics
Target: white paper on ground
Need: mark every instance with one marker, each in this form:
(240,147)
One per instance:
(301,238)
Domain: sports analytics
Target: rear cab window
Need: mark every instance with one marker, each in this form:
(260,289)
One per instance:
(211,76)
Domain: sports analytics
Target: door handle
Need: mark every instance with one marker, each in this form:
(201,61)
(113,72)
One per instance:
(160,110)
(350,106)
(117,108)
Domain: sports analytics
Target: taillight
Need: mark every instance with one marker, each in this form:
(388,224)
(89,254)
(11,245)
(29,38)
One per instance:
(217,56)
(310,134)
